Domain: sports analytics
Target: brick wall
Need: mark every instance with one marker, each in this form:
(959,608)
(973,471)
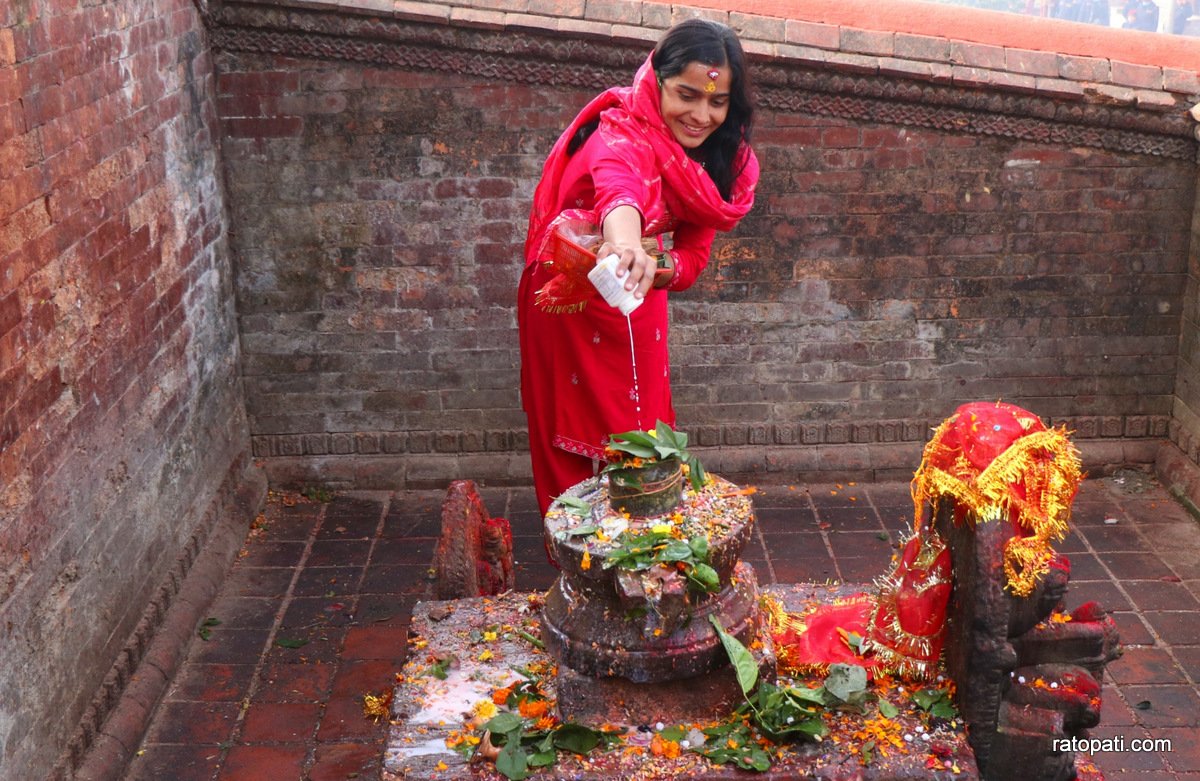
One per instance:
(121,411)
(937,222)
(1185,423)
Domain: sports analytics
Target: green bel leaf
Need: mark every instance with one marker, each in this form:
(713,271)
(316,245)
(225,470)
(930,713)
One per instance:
(543,758)
(927,698)
(699,546)
(676,550)
(943,709)
(675,733)
(502,723)
(696,475)
(888,710)
(575,505)
(576,738)
(743,662)
(290,642)
(847,682)
(760,760)
(635,443)
(707,577)
(512,762)
(804,696)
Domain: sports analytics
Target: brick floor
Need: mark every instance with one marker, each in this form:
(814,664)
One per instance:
(315,615)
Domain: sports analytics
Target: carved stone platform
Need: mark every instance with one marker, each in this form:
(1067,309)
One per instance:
(428,711)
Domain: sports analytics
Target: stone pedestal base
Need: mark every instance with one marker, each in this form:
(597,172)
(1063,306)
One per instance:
(586,630)
(711,695)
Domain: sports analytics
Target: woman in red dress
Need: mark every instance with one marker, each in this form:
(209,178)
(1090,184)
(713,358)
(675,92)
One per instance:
(667,158)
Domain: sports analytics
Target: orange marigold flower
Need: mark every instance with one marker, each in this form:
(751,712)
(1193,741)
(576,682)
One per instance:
(660,747)
(500,696)
(533,709)
(545,722)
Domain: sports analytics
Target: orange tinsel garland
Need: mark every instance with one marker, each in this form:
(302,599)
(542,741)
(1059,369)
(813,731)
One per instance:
(999,461)
(993,461)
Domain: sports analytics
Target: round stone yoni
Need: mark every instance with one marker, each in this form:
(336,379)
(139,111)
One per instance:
(646,626)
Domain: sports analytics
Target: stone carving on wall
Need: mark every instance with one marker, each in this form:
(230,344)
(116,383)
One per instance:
(529,57)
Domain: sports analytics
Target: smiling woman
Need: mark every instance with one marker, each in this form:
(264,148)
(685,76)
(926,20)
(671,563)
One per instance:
(666,162)
(695,103)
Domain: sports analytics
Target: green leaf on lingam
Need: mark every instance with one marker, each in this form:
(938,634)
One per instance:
(676,550)
(575,505)
(636,443)
(706,577)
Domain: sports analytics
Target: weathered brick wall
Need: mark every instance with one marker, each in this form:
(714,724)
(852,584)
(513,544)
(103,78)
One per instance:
(937,222)
(379,224)
(1185,423)
(891,273)
(121,410)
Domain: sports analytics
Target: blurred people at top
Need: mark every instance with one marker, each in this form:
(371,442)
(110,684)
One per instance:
(1087,11)
(1141,15)
(1181,13)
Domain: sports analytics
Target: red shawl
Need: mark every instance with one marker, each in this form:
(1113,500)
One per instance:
(631,123)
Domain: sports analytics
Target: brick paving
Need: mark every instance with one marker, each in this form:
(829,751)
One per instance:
(314,614)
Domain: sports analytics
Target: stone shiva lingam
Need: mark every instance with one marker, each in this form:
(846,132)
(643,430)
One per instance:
(650,554)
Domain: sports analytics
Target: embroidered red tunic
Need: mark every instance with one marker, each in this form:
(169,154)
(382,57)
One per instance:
(577,372)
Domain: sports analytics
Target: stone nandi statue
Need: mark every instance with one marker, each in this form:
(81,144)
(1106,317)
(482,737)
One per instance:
(996,486)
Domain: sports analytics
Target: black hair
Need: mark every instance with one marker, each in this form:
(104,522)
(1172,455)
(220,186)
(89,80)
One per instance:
(581,135)
(712,43)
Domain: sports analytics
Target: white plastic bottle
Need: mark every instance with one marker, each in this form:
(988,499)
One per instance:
(604,277)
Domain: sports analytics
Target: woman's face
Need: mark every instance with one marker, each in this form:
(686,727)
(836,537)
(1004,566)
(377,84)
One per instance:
(695,102)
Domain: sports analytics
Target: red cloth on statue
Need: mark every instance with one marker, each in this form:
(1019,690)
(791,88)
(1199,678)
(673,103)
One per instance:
(993,460)
(821,637)
(906,630)
(577,384)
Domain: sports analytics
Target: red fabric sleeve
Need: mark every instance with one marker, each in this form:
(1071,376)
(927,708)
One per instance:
(690,252)
(615,182)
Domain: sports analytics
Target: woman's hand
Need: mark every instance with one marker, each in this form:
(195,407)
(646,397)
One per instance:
(636,266)
(623,238)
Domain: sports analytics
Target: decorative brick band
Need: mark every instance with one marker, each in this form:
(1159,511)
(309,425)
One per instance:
(835,433)
(888,89)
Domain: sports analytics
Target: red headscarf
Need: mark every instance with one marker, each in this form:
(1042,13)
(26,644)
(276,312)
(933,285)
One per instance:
(631,123)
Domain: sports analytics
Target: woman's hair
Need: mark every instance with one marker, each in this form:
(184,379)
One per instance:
(712,43)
